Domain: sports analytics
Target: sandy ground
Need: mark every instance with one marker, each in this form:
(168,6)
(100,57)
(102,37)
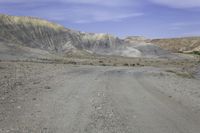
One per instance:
(58,98)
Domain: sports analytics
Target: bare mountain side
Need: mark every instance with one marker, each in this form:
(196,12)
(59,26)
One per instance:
(32,32)
(40,34)
(187,44)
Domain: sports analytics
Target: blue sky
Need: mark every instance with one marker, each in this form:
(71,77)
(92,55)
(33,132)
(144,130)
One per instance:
(149,18)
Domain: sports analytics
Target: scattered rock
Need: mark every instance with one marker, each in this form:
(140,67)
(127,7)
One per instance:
(36,82)
(34,99)
(100,61)
(18,83)
(19,107)
(47,87)
(72,62)
(2,67)
(98,108)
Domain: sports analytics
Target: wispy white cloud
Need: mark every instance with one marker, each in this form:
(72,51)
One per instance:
(104,3)
(81,11)
(117,3)
(91,2)
(108,17)
(178,3)
(87,14)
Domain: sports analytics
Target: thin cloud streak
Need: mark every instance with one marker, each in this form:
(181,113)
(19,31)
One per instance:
(112,3)
(110,17)
(79,11)
(178,3)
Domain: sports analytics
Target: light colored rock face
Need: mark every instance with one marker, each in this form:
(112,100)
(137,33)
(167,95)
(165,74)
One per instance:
(136,39)
(41,34)
(96,42)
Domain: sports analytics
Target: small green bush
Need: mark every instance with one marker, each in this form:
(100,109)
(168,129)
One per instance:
(196,52)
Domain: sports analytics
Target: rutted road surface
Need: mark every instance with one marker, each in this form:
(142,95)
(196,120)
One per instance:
(88,99)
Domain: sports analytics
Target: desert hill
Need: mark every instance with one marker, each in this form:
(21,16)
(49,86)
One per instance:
(185,44)
(34,36)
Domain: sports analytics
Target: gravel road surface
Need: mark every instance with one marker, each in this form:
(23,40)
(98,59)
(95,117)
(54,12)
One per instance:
(86,99)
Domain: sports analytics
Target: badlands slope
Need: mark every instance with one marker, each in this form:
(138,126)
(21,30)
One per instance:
(43,38)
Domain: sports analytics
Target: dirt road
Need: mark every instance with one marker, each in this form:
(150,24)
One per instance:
(86,99)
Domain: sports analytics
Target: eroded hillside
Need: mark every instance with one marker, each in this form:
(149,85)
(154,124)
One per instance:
(187,44)
(38,33)
(31,35)
(32,32)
